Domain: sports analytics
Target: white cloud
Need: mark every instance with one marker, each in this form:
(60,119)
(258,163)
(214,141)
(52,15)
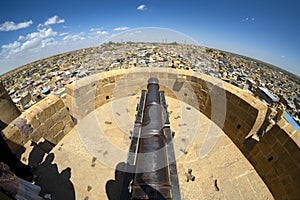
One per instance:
(48,42)
(95,29)
(41,34)
(248,19)
(142,7)
(63,34)
(12,26)
(54,20)
(121,28)
(21,37)
(74,37)
(11,46)
(32,41)
(102,32)
(44,43)
(98,31)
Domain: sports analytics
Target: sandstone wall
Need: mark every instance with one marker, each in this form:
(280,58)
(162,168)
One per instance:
(238,113)
(49,119)
(9,110)
(276,157)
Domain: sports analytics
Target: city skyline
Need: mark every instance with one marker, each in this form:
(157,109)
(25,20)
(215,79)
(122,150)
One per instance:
(267,31)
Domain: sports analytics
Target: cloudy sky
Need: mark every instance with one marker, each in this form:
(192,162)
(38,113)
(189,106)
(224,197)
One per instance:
(266,30)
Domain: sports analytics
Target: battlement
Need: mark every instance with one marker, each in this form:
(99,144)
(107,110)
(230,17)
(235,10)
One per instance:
(9,110)
(48,119)
(275,156)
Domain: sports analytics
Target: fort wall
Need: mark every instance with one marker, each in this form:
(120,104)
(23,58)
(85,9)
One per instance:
(9,110)
(275,156)
(48,119)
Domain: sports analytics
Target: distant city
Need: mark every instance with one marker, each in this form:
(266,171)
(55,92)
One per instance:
(30,83)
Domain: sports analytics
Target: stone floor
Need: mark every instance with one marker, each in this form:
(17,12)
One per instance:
(84,161)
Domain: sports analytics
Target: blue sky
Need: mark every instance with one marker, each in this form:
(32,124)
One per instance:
(262,29)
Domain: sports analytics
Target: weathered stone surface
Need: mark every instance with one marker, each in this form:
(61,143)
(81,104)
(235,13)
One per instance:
(46,119)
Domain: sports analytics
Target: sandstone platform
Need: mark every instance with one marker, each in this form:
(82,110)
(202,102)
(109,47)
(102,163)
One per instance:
(91,165)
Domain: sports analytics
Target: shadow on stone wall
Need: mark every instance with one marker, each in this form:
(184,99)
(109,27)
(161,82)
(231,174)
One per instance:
(2,125)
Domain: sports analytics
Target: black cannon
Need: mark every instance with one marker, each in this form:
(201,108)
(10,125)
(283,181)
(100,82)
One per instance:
(151,173)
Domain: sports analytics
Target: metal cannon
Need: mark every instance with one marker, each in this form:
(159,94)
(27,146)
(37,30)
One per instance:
(154,177)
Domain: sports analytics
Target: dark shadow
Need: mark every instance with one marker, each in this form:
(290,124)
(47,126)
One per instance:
(2,125)
(17,149)
(52,182)
(49,179)
(250,143)
(38,152)
(119,188)
(14,163)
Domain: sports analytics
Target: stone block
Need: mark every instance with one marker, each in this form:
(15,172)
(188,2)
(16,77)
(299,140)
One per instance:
(280,151)
(81,100)
(291,146)
(36,116)
(270,139)
(69,89)
(255,151)
(58,137)
(57,127)
(229,127)
(13,134)
(296,138)
(266,167)
(271,175)
(68,124)
(281,136)
(243,105)
(249,119)
(296,156)
(38,133)
(69,101)
(61,114)
(279,168)
(58,103)
(47,108)
(50,122)
(264,148)
(234,99)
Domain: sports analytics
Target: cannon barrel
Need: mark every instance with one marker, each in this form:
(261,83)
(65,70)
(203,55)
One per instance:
(152,177)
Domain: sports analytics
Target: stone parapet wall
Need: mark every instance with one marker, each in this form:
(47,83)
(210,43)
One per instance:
(239,114)
(276,157)
(49,119)
(9,110)
(242,114)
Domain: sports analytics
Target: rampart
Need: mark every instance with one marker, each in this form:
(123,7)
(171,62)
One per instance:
(240,115)
(9,110)
(48,119)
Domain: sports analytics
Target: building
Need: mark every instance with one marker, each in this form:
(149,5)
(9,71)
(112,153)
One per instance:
(264,94)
